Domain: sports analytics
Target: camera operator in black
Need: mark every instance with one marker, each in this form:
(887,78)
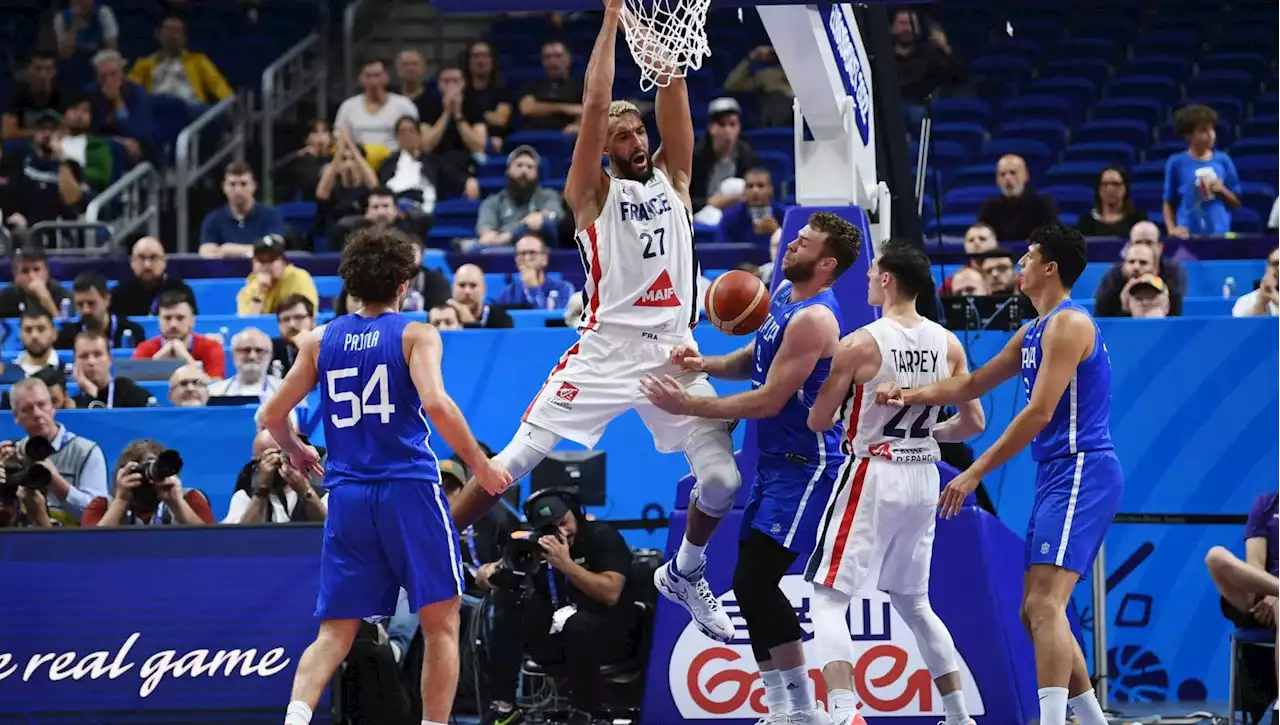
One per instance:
(270,490)
(585,570)
(141,501)
(22,507)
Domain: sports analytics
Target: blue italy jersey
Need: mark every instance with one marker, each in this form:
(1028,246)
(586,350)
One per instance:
(1081,421)
(787,433)
(374,426)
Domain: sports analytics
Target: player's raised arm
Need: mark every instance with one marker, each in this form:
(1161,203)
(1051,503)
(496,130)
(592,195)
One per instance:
(587,183)
(967,386)
(971,419)
(675,125)
(857,351)
(298,383)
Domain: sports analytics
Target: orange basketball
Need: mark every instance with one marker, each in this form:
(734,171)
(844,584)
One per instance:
(737,302)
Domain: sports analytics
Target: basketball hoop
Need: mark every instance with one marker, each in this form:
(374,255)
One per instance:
(666,37)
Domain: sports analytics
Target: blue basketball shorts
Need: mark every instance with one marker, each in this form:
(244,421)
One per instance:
(1076,498)
(379,537)
(787,500)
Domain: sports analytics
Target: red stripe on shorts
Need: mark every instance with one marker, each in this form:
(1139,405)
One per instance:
(594,303)
(564,360)
(846,522)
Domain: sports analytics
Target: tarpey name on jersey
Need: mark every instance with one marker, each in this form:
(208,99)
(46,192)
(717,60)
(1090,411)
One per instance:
(647,211)
(915,361)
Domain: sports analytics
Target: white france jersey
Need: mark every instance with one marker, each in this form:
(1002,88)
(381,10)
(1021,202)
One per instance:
(911,357)
(642,273)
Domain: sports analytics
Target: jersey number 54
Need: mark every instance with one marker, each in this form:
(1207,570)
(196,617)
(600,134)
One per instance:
(373,400)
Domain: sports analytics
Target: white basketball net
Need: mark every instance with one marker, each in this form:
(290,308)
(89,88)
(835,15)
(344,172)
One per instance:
(666,37)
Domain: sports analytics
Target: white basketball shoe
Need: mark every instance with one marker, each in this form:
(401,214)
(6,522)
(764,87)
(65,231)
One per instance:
(692,592)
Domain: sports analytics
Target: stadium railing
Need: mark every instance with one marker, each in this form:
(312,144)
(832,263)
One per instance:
(303,69)
(191,167)
(130,204)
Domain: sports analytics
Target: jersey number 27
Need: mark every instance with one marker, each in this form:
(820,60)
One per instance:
(373,400)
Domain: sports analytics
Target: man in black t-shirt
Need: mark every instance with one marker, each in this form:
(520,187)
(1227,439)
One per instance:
(553,104)
(575,617)
(98,388)
(92,300)
(29,99)
(44,185)
(138,295)
(453,131)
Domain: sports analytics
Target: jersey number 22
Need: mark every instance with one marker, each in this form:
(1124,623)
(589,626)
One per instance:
(373,400)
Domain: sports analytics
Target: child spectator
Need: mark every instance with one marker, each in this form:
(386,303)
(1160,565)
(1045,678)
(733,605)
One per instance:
(1201,185)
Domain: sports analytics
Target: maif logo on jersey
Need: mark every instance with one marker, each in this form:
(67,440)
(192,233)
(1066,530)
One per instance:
(711,681)
(660,293)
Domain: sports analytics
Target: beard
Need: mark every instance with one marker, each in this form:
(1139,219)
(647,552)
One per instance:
(521,191)
(800,271)
(630,172)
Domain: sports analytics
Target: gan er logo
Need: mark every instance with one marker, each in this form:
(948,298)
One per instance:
(855,77)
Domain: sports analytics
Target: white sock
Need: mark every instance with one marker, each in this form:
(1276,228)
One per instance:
(841,704)
(298,713)
(957,713)
(1053,706)
(775,697)
(798,688)
(689,557)
(1087,709)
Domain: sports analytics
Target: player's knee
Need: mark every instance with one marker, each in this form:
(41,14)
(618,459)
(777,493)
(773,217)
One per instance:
(439,619)
(750,589)
(1040,610)
(526,450)
(1218,558)
(934,641)
(711,458)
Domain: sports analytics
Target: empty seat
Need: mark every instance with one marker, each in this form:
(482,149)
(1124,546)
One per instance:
(1262,169)
(1246,221)
(1104,49)
(975,175)
(1268,126)
(1147,195)
(1037,106)
(1266,104)
(1072,200)
(1078,92)
(969,135)
(1083,173)
(1005,69)
(1237,83)
(1148,172)
(1052,133)
(1167,42)
(772,140)
(1175,68)
(1257,196)
(961,110)
(1149,111)
(950,225)
(1254,65)
(1164,149)
(1159,88)
(1256,145)
(1016,46)
(1134,133)
(965,200)
(1094,71)
(1108,153)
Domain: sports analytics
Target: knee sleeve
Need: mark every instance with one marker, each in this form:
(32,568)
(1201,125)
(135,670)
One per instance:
(710,455)
(527,448)
(829,610)
(771,620)
(932,637)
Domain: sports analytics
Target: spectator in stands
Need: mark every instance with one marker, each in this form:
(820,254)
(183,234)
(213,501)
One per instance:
(968,282)
(370,118)
(1109,295)
(87,150)
(761,74)
(430,288)
(98,387)
(554,103)
(411,71)
(1018,209)
(56,381)
(343,189)
(486,94)
(444,317)
(32,287)
(233,229)
(524,207)
(719,161)
(1265,300)
(178,72)
(189,387)
(416,175)
(924,60)
(44,185)
(138,294)
(269,489)
(455,133)
(978,240)
(754,219)
(381,208)
(251,356)
(176,340)
(1249,587)
(84,28)
(1201,186)
(121,110)
(1113,213)
(93,302)
(999,271)
(77,466)
(345,302)
(273,279)
(1147,297)
(295,316)
(32,97)
(470,300)
(300,171)
(35,331)
(531,288)
(147,503)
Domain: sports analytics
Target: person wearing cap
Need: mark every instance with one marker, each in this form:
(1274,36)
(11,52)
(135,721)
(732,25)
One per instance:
(1146,234)
(233,229)
(554,103)
(1147,297)
(78,144)
(273,279)
(720,160)
(44,185)
(524,207)
(32,285)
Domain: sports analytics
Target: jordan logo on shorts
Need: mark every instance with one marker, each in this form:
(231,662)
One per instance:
(660,293)
(564,396)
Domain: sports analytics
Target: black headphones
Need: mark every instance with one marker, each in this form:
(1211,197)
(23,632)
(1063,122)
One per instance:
(568,494)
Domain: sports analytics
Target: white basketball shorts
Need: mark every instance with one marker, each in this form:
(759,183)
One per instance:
(598,379)
(877,531)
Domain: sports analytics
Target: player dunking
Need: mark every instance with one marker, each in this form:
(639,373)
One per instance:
(786,362)
(1066,375)
(877,531)
(635,234)
(388,525)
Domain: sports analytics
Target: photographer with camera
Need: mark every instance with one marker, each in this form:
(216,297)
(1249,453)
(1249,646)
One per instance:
(270,489)
(558,596)
(22,507)
(76,467)
(149,492)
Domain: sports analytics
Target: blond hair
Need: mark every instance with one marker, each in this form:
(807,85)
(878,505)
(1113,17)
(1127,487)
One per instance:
(617,108)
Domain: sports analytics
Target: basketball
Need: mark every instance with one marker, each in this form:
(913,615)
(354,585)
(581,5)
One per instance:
(737,302)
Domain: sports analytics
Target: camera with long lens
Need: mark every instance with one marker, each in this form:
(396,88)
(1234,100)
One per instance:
(522,558)
(154,470)
(27,473)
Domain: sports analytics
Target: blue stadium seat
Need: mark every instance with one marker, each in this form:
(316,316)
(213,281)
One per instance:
(772,140)
(975,175)
(1044,33)
(1073,174)
(1036,153)
(1230,110)
(457,213)
(947,154)
(300,215)
(169,115)
(1094,71)
(1134,133)
(1246,221)
(1268,104)
(1165,132)
(1167,42)
(1175,68)
(965,200)
(1254,65)
(1072,200)
(550,144)
(782,167)
(950,225)
(1052,133)
(969,135)
(1147,195)
(1160,88)
(1148,172)
(1146,110)
(1104,49)
(1100,23)
(1163,150)
(1036,106)
(1257,196)
(1016,46)
(1107,153)
(1236,83)
(1076,91)
(1263,169)
(1265,126)
(1000,69)
(961,110)
(1256,145)
(1254,38)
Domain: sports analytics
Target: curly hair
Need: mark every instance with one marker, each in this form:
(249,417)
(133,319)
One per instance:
(844,240)
(1191,117)
(375,262)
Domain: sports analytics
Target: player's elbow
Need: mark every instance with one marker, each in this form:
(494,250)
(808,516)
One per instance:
(976,422)
(819,423)
(1038,415)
